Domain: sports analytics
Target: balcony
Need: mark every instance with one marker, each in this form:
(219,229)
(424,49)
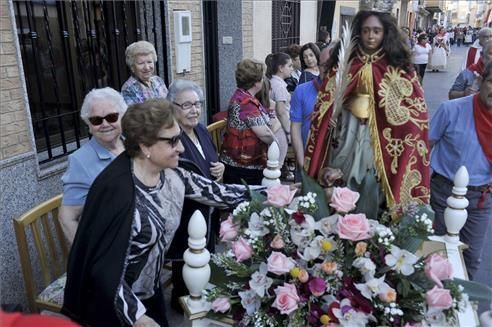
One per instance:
(434,5)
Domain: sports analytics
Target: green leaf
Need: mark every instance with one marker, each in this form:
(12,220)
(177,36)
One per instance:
(411,244)
(255,195)
(475,291)
(310,185)
(403,287)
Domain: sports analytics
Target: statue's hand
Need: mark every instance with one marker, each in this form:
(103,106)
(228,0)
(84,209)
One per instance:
(330,177)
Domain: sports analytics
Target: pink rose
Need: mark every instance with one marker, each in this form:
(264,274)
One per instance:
(343,199)
(354,227)
(438,268)
(439,298)
(277,242)
(279,264)
(221,304)
(242,250)
(280,195)
(228,230)
(287,298)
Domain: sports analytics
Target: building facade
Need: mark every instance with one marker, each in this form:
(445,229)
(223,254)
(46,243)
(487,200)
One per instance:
(53,52)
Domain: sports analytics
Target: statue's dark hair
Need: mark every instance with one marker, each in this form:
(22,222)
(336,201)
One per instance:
(397,52)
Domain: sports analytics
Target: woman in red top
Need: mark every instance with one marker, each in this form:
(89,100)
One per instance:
(248,133)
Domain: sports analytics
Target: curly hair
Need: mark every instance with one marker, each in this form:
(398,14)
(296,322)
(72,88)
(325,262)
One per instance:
(139,48)
(104,94)
(249,72)
(143,121)
(394,46)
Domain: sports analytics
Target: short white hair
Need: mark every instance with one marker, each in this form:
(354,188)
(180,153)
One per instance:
(106,94)
(139,48)
(180,85)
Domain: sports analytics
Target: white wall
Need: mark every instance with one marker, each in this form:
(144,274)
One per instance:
(262,29)
(335,32)
(308,21)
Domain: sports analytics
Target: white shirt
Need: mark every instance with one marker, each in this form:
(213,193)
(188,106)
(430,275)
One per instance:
(421,54)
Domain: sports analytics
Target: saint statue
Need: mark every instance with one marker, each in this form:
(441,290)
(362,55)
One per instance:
(379,140)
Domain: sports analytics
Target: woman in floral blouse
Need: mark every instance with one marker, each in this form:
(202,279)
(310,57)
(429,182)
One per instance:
(248,133)
(142,84)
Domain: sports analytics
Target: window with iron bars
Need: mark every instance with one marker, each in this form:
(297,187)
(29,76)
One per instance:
(71,47)
(285,24)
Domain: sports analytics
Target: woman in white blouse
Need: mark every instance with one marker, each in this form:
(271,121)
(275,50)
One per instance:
(421,55)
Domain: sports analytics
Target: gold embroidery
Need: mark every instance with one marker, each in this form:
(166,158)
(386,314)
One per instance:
(396,147)
(377,149)
(325,99)
(393,89)
(411,179)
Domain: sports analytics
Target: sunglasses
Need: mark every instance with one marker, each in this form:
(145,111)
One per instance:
(173,141)
(110,118)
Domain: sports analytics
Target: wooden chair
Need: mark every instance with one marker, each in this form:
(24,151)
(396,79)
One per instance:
(216,130)
(52,253)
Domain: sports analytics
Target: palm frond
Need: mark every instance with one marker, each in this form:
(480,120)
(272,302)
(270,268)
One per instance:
(341,77)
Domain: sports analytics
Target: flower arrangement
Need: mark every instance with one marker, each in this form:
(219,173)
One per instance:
(288,265)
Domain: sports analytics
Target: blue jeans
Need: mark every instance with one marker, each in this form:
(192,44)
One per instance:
(473,233)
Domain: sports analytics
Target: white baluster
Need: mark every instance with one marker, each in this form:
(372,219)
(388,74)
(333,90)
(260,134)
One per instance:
(196,271)
(486,318)
(455,214)
(272,172)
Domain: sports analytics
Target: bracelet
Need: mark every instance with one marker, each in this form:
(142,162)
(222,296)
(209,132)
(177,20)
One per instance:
(287,133)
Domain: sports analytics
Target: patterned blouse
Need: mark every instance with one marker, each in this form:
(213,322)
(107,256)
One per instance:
(134,91)
(156,218)
(241,147)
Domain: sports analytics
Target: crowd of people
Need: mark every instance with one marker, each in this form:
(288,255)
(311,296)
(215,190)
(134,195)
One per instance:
(130,191)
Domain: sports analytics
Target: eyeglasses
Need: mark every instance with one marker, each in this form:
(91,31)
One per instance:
(110,118)
(187,105)
(173,141)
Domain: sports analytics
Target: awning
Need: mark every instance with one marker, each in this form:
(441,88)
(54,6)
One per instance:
(423,12)
(433,9)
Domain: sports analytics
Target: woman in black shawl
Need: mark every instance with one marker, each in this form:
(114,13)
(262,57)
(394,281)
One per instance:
(131,214)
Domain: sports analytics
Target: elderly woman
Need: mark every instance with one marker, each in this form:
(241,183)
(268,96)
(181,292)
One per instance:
(248,133)
(101,110)
(131,214)
(143,84)
(200,155)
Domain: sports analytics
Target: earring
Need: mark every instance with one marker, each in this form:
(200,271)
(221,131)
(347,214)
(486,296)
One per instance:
(147,156)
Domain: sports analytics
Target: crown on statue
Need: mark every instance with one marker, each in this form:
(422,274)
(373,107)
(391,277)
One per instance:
(383,6)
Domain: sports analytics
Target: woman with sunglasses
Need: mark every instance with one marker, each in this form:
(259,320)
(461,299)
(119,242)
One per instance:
(200,156)
(101,110)
(132,212)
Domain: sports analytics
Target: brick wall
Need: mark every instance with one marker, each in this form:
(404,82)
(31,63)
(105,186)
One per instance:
(197,73)
(247,23)
(14,135)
